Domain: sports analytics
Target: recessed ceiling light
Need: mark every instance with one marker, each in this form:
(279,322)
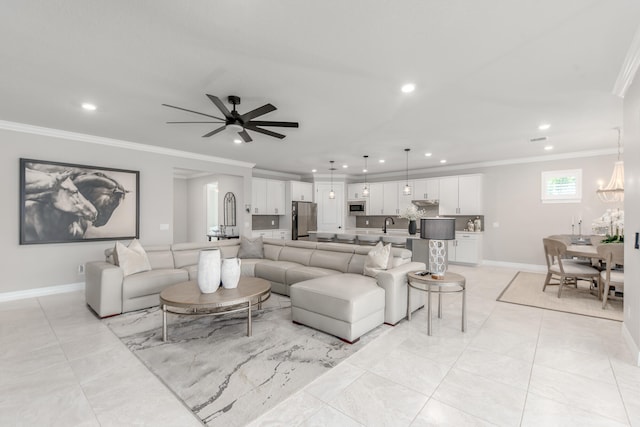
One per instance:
(443,161)
(408,88)
(548,147)
(237,141)
(427,154)
(314,170)
(381,161)
(364,171)
(89,107)
(544,126)
(345,166)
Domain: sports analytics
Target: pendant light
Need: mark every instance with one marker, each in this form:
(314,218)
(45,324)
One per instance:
(614,191)
(365,189)
(407,189)
(332,194)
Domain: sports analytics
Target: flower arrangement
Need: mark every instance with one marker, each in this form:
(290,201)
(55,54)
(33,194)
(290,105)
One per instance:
(412,213)
(611,224)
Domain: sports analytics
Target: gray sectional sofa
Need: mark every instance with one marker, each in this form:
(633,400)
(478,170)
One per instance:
(328,268)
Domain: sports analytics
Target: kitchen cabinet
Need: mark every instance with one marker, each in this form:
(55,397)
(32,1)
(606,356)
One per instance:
(466,248)
(375,204)
(404,201)
(301,191)
(426,189)
(265,234)
(390,198)
(460,195)
(275,197)
(354,191)
(267,197)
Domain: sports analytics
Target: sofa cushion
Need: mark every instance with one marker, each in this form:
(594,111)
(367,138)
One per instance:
(379,258)
(185,254)
(332,260)
(271,251)
(274,271)
(302,273)
(356,264)
(251,248)
(346,297)
(151,282)
(296,255)
(132,259)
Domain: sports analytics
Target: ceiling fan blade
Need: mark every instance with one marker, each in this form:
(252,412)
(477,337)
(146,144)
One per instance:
(213,132)
(267,108)
(191,111)
(220,106)
(173,123)
(264,131)
(278,124)
(245,135)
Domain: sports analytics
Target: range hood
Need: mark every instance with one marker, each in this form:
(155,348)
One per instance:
(424,203)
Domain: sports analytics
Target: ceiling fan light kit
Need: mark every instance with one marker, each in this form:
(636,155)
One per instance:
(237,122)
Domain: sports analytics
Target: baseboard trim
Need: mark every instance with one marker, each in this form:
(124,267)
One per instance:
(635,351)
(40,292)
(515,265)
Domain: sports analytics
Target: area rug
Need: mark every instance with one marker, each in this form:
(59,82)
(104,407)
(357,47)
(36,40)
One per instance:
(223,376)
(526,289)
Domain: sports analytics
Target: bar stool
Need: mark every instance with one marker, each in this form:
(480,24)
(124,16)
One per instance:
(396,241)
(346,238)
(325,237)
(367,240)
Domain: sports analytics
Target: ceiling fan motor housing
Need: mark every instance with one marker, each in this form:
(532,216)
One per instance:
(235,100)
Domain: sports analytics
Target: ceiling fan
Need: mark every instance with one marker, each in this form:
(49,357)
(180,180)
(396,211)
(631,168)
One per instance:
(239,122)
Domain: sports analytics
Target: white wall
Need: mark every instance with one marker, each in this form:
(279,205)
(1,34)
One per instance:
(35,266)
(179,210)
(631,142)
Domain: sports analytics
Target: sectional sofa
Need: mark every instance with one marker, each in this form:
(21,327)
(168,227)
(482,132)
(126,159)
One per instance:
(334,273)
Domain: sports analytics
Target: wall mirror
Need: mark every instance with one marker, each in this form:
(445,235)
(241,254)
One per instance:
(229,210)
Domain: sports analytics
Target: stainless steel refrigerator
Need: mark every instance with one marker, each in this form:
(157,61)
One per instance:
(304,218)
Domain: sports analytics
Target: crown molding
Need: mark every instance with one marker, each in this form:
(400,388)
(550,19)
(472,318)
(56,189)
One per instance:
(629,67)
(268,173)
(75,136)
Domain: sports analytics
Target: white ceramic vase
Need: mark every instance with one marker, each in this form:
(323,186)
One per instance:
(230,272)
(209,270)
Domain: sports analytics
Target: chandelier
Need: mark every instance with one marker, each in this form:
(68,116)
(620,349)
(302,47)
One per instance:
(614,191)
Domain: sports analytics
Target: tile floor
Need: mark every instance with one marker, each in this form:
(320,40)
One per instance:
(515,365)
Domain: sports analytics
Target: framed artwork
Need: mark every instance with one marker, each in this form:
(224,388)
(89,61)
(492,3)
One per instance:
(63,202)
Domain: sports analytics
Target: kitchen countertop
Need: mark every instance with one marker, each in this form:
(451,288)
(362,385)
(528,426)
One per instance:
(390,232)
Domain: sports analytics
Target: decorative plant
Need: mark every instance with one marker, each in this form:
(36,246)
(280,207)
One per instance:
(611,223)
(412,213)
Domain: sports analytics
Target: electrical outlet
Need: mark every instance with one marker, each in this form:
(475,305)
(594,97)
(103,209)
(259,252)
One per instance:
(366,222)
(80,268)
(273,222)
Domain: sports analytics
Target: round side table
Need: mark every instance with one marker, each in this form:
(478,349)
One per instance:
(451,282)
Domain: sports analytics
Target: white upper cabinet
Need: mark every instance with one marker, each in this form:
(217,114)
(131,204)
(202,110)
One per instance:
(375,203)
(275,197)
(461,195)
(267,197)
(301,191)
(354,191)
(426,189)
(390,195)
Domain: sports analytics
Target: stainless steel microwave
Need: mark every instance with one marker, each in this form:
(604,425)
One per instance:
(357,207)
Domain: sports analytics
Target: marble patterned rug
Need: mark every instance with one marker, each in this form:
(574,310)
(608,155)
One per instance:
(223,376)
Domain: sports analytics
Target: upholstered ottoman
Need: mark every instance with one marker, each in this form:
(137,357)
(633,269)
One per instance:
(344,305)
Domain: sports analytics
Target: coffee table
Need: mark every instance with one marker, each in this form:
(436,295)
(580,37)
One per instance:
(186,299)
(451,282)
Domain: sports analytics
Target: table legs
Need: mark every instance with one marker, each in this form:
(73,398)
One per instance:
(428,310)
(164,322)
(408,302)
(464,308)
(249,320)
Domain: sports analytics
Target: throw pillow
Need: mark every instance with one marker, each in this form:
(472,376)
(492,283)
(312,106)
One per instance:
(132,259)
(378,259)
(251,248)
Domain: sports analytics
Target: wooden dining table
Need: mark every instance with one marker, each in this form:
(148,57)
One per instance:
(584,251)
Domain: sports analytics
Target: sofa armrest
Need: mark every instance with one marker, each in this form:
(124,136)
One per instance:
(394,283)
(103,287)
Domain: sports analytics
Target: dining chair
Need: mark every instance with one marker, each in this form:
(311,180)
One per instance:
(612,255)
(566,272)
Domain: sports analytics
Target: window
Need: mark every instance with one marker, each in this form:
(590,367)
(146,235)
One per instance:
(562,186)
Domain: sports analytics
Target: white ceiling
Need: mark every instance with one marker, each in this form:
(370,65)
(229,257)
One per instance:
(487,73)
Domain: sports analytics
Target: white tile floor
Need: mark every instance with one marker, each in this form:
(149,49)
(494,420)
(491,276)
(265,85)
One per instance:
(59,365)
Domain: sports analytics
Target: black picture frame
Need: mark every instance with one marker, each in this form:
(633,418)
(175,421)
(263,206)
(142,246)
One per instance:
(65,202)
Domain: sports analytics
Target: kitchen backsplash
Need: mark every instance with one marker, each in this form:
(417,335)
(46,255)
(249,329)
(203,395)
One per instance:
(377,221)
(264,222)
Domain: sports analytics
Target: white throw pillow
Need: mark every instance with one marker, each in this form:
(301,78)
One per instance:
(132,259)
(378,259)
